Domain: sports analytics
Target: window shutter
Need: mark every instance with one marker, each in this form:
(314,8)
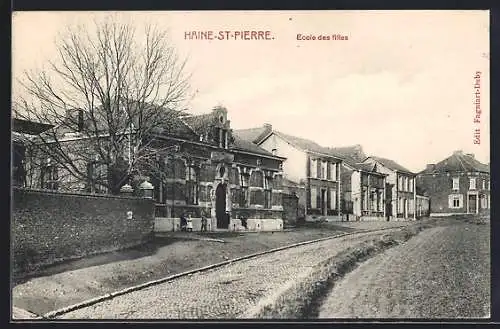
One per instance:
(450,201)
(333,199)
(313,197)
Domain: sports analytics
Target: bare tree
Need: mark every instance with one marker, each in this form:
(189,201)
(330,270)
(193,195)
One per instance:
(107,93)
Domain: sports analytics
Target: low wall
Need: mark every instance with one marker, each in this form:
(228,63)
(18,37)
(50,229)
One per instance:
(48,227)
(163,224)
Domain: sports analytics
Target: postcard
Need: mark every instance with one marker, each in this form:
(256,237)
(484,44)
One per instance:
(298,165)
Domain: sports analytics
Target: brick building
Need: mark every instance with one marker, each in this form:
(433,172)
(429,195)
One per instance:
(311,171)
(206,171)
(459,184)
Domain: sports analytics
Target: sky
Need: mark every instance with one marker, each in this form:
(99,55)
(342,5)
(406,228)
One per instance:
(401,85)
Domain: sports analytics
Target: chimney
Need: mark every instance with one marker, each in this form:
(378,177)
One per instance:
(470,155)
(268,126)
(458,152)
(430,167)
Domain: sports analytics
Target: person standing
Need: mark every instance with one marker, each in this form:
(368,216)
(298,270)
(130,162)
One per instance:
(203,223)
(189,224)
(183,222)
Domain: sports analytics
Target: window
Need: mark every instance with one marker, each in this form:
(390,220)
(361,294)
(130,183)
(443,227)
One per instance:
(400,183)
(333,198)
(314,200)
(455,201)
(49,175)
(314,169)
(472,183)
(268,185)
(256,179)
(268,199)
(407,188)
(380,201)
(374,200)
(411,185)
(484,202)
(488,186)
(245,196)
(192,185)
(484,184)
(365,198)
(324,166)
(275,151)
(333,171)
(456,183)
(96,177)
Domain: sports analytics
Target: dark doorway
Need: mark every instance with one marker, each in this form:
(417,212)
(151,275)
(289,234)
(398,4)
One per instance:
(323,202)
(220,206)
(388,210)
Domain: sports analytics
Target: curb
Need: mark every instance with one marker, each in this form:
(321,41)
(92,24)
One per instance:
(67,309)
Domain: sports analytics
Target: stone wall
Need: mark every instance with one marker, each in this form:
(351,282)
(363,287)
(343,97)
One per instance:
(48,227)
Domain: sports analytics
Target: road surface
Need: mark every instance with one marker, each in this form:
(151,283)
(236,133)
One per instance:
(443,272)
(232,291)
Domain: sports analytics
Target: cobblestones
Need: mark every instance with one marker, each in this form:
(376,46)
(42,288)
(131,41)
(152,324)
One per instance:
(226,292)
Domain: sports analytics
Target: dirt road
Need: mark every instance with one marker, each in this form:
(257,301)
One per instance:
(444,272)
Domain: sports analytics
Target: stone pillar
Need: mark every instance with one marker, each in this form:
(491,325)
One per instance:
(146,190)
(126,190)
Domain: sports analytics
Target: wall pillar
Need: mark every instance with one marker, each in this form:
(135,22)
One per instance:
(384,206)
(477,203)
(414,198)
(339,193)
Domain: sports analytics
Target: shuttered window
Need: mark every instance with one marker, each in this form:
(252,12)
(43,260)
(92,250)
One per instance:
(333,198)
(314,200)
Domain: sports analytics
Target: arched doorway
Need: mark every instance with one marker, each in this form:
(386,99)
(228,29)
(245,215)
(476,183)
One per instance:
(220,206)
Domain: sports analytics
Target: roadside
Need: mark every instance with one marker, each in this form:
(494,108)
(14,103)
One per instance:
(444,272)
(76,281)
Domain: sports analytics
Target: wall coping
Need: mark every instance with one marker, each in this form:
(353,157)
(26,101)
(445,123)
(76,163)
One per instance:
(76,193)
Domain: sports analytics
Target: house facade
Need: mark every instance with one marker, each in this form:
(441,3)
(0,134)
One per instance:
(459,184)
(363,191)
(310,172)
(400,186)
(205,170)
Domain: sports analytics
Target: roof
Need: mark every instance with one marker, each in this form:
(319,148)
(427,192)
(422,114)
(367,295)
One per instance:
(457,162)
(391,164)
(306,144)
(244,145)
(254,135)
(289,183)
(198,122)
(352,154)
(29,127)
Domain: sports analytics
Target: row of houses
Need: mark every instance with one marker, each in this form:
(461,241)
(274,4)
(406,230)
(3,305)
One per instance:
(222,173)
(341,183)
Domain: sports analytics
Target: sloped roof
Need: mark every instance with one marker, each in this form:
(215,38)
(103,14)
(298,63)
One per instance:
(29,127)
(391,164)
(198,122)
(254,135)
(306,144)
(458,162)
(353,153)
(244,145)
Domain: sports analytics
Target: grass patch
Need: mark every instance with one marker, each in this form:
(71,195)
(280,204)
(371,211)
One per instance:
(303,299)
